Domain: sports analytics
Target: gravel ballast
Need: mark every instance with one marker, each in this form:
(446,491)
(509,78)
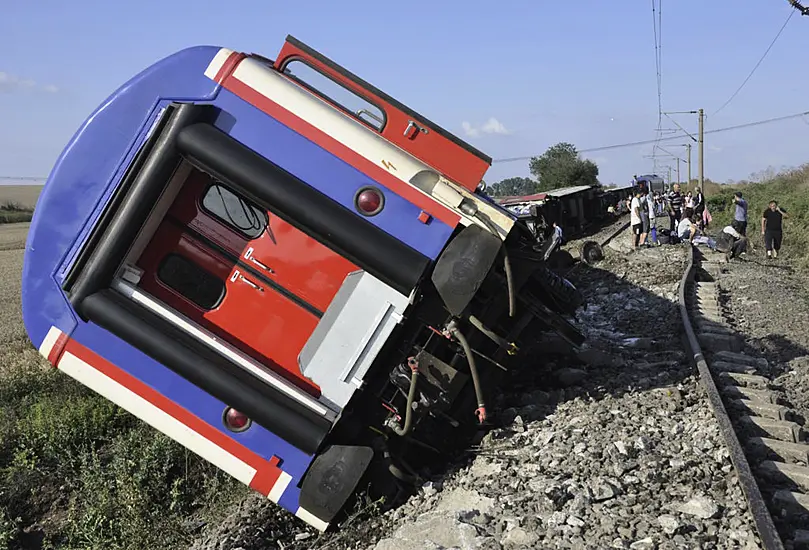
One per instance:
(769,304)
(613,447)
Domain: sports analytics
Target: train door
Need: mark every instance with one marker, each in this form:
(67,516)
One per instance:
(397,123)
(271,248)
(242,274)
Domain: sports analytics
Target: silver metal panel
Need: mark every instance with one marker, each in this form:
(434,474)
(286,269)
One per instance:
(565,191)
(350,334)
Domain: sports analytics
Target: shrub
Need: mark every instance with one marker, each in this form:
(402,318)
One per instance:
(88,474)
(14,212)
(790,188)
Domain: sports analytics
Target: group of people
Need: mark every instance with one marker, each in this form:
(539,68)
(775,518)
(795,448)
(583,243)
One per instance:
(735,235)
(688,219)
(684,210)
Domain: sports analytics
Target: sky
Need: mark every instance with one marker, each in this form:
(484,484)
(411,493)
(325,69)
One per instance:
(511,77)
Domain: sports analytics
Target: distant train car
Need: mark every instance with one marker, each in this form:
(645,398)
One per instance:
(285,270)
(652,183)
(574,209)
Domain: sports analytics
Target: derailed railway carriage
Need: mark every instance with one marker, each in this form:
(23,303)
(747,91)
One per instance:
(285,270)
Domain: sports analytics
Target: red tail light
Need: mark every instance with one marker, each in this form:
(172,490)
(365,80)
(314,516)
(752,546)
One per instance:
(369,201)
(235,421)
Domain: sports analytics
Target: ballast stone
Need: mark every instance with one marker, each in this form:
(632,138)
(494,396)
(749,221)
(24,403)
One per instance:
(700,506)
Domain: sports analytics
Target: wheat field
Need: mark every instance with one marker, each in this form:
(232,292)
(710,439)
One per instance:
(24,195)
(14,347)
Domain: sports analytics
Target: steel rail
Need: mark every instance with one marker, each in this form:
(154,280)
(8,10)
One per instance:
(758,507)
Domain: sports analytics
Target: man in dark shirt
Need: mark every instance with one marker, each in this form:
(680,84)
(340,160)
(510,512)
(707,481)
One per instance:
(771,228)
(675,203)
(699,207)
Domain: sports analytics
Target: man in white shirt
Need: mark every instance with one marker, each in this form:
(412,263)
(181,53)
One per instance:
(635,219)
(686,229)
(650,200)
(731,242)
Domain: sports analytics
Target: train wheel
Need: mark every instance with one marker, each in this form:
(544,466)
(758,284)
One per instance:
(590,252)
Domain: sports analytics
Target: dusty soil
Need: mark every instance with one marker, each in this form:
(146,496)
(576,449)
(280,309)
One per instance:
(769,302)
(12,238)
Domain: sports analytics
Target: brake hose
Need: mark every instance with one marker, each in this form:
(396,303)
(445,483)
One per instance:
(470,358)
(411,396)
(512,303)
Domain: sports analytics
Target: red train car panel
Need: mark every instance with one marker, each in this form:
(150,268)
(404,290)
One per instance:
(264,242)
(227,300)
(425,140)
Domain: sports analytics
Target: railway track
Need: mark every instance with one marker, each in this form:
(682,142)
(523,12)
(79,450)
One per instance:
(764,435)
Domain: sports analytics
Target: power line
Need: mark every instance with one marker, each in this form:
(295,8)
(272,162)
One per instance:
(679,136)
(590,150)
(657,24)
(757,64)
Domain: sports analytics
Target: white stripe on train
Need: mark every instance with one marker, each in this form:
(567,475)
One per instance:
(143,409)
(355,136)
(217,62)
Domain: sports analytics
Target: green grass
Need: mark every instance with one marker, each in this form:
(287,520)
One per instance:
(790,188)
(76,471)
(14,212)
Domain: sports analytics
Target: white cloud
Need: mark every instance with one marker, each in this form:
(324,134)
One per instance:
(470,130)
(491,126)
(11,83)
(494,126)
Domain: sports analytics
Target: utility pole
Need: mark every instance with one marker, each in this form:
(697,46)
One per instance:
(699,141)
(678,171)
(701,152)
(688,158)
(669,167)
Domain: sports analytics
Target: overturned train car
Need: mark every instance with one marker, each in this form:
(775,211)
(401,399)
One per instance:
(285,270)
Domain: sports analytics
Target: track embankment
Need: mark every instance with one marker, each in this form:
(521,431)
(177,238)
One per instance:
(753,361)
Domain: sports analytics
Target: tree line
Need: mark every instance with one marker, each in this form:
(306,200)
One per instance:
(559,166)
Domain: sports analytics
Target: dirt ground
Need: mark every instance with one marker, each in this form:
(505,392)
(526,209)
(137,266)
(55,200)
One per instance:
(25,195)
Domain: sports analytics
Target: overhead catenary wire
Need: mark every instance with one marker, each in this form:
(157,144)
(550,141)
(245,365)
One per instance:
(670,138)
(749,76)
(588,150)
(657,24)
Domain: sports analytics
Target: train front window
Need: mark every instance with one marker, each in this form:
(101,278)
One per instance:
(191,281)
(235,211)
(336,93)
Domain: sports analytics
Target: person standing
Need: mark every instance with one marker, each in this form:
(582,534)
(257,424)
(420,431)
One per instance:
(651,204)
(643,208)
(634,218)
(699,207)
(689,201)
(740,216)
(772,228)
(675,207)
